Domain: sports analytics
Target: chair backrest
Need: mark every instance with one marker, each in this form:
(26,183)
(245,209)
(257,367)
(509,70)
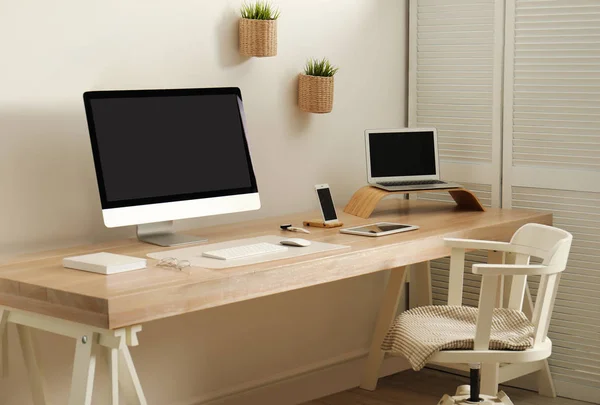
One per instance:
(552,245)
(546,242)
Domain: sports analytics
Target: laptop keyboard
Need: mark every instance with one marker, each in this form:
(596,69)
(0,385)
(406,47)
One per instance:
(411,183)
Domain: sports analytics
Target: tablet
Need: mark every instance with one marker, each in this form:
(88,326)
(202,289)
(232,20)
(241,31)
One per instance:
(379,229)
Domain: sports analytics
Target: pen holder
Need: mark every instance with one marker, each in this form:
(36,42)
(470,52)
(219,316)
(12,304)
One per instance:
(319,223)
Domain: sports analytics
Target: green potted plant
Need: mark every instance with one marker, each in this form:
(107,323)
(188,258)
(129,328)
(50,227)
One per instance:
(258,29)
(315,86)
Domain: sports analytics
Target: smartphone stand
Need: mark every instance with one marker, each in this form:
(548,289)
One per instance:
(319,223)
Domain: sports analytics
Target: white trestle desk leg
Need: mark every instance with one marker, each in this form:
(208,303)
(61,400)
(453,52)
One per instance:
(113,375)
(419,293)
(90,342)
(130,383)
(385,318)
(84,369)
(34,371)
(3,343)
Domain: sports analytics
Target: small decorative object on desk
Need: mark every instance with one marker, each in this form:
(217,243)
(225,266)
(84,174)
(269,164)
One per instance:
(104,263)
(258,29)
(173,263)
(315,86)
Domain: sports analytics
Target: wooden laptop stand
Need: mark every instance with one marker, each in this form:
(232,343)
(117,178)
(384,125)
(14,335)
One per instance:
(364,201)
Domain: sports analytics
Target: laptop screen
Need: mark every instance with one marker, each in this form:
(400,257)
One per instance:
(395,154)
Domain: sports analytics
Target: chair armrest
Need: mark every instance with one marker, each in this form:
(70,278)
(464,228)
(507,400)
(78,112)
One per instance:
(514,269)
(475,244)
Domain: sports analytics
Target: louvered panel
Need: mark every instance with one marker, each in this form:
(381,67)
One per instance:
(556,88)
(454,80)
(439,268)
(471,285)
(577,350)
(482,191)
(575,326)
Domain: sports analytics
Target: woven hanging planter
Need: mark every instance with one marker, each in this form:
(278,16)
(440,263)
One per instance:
(315,93)
(258,37)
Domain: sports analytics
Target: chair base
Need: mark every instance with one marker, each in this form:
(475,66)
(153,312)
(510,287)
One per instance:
(462,397)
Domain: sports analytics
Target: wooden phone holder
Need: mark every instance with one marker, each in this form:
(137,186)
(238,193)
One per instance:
(364,201)
(318,223)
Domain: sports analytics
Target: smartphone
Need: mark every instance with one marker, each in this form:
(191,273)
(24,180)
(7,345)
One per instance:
(326,203)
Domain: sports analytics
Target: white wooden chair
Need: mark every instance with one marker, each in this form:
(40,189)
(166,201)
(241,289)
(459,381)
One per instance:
(550,244)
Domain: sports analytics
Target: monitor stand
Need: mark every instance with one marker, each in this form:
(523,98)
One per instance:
(161,234)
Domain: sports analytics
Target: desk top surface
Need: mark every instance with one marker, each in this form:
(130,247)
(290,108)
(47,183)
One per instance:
(38,282)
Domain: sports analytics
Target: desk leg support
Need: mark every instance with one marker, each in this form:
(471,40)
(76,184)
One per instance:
(419,287)
(387,313)
(3,343)
(122,375)
(89,343)
(113,370)
(34,371)
(84,369)
(128,378)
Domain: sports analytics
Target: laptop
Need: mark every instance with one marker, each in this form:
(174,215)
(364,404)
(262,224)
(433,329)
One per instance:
(404,159)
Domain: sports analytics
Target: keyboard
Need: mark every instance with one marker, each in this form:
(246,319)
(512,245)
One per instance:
(241,252)
(411,183)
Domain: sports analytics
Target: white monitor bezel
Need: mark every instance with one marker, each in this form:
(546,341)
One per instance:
(371,179)
(174,210)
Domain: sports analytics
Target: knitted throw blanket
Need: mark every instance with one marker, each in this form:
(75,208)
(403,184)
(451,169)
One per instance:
(419,333)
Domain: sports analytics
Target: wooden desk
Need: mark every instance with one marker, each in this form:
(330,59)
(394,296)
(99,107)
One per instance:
(107,311)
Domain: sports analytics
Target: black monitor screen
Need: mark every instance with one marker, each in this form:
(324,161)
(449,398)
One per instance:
(402,154)
(153,146)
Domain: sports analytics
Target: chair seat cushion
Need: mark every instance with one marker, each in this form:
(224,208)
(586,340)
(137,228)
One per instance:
(419,333)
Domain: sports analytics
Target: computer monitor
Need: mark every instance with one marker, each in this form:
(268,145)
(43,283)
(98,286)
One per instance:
(163,155)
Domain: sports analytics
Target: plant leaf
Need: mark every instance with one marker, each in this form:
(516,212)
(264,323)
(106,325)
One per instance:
(259,10)
(323,68)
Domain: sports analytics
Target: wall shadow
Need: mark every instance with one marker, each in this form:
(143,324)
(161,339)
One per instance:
(47,178)
(228,39)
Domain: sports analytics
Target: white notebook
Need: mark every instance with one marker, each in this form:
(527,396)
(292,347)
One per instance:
(104,263)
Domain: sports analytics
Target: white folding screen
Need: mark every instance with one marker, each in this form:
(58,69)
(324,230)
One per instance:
(455,84)
(513,87)
(552,163)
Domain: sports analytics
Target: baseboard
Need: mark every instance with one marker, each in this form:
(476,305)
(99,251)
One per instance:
(300,385)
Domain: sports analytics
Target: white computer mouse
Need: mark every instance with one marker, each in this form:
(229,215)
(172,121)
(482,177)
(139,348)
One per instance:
(295,242)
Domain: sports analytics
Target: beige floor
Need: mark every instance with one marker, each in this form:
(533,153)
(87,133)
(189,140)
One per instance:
(426,387)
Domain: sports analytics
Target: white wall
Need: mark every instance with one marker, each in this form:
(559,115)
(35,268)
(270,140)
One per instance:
(51,52)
